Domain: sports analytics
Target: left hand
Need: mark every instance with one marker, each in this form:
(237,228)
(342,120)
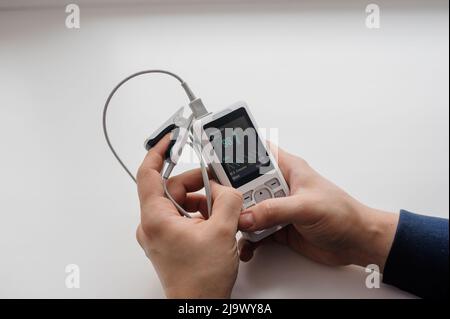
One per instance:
(194,257)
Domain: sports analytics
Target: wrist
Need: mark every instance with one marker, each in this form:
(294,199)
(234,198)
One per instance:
(376,235)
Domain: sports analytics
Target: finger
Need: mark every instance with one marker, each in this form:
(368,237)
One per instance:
(274,211)
(148,176)
(281,236)
(227,206)
(246,248)
(187,182)
(156,209)
(196,203)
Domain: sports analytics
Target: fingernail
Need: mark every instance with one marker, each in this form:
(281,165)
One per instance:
(246,220)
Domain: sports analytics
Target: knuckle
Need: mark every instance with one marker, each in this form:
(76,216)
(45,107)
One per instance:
(152,228)
(302,161)
(148,227)
(139,234)
(237,194)
(143,172)
(142,240)
(172,182)
(222,231)
(267,211)
(310,203)
(234,196)
(172,235)
(303,204)
(175,186)
(162,229)
(197,239)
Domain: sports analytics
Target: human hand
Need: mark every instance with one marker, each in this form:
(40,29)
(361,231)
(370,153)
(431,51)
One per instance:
(194,257)
(325,223)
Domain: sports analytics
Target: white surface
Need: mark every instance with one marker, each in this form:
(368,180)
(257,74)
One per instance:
(367,108)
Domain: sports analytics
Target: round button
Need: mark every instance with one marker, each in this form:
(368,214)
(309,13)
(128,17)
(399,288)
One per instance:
(262,194)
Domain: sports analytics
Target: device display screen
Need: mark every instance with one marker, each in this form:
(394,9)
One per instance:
(238,147)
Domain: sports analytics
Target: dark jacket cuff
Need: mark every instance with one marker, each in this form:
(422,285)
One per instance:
(418,259)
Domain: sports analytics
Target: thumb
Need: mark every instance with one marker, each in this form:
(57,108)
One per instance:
(226,209)
(272,212)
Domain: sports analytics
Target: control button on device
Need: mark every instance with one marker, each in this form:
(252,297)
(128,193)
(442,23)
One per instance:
(280,193)
(247,197)
(273,183)
(262,194)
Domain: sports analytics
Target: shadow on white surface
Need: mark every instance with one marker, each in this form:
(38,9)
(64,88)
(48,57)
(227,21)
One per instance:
(277,272)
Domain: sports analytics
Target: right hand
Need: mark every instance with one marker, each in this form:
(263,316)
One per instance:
(193,257)
(326,224)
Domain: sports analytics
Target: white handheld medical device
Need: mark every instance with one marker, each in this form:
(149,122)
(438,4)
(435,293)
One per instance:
(227,142)
(238,157)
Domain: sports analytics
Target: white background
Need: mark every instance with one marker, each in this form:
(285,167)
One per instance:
(367,108)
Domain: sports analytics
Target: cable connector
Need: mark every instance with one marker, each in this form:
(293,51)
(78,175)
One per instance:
(198,108)
(195,103)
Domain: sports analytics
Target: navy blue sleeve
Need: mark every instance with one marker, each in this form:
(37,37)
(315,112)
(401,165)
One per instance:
(418,260)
